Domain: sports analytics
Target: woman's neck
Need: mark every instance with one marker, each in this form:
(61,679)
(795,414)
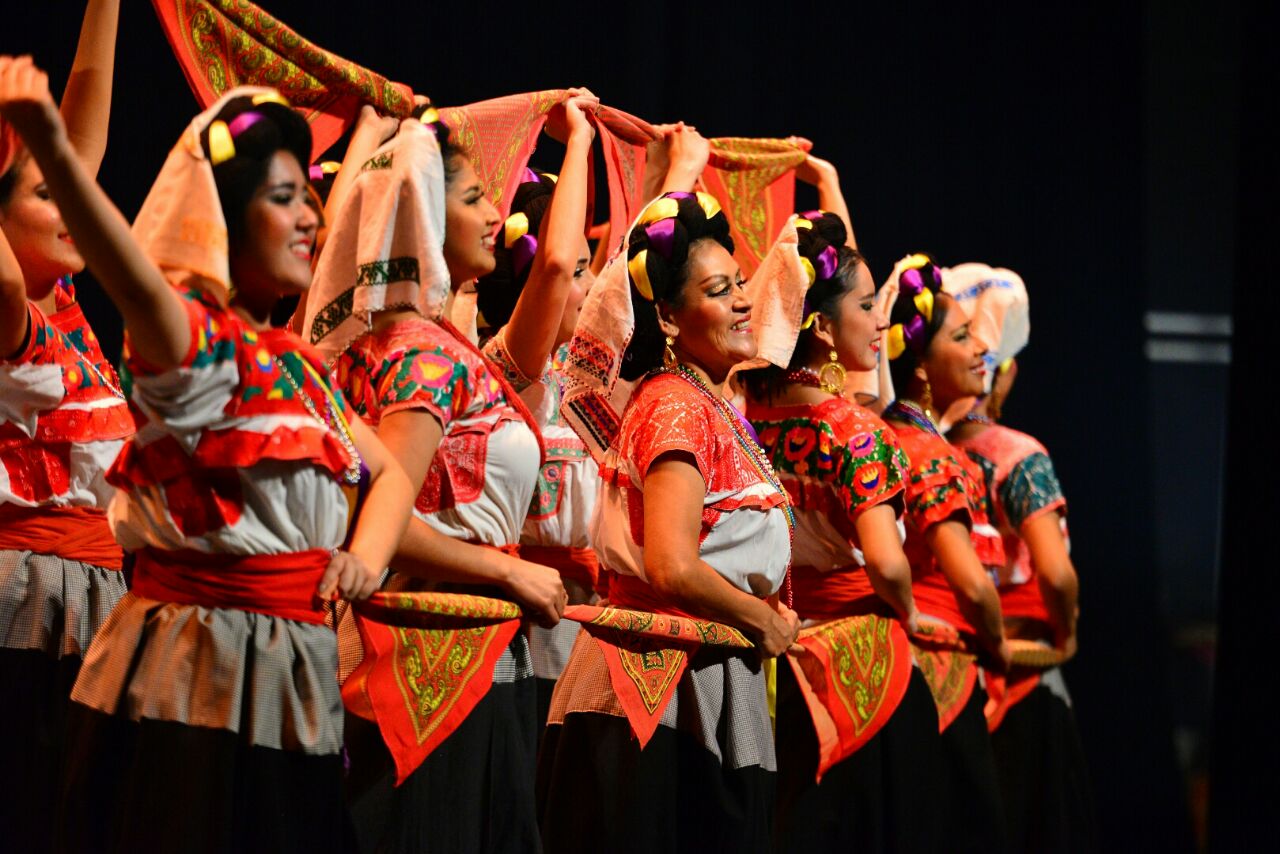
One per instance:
(715,384)
(258,318)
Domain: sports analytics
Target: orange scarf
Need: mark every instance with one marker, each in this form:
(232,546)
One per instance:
(754,181)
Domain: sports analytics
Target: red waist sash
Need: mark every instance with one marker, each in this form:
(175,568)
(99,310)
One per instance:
(831,595)
(853,674)
(282,585)
(572,562)
(71,533)
(420,679)
(646,644)
(948,666)
(1023,600)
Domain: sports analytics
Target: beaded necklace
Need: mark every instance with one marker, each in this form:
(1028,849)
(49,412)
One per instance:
(107,384)
(978,418)
(803,376)
(745,436)
(334,421)
(911,412)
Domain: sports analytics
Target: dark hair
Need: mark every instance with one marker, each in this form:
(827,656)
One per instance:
(238,178)
(902,368)
(449,150)
(9,180)
(667,277)
(497,292)
(823,296)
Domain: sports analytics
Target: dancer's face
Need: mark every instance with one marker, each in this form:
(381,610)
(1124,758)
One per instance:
(713,321)
(33,226)
(859,320)
(583,279)
(471,223)
(953,361)
(274,258)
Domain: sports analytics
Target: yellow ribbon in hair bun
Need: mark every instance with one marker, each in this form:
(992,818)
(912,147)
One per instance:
(810,320)
(894,341)
(924,302)
(516,227)
(552,177)
(710,207)
(272,97)
(808,270)
(915,262)
(640,274)
(660,209)
(430,116)
(221,147)
(801,222)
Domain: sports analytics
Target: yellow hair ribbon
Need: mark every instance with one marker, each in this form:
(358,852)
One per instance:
(810,320)
(710,206)
(1006,365)
(221,147)
(915,262)
(430,116)
(660,209)
(924,302)
(801,222)
(640,275)
(894,343)
(272,97)
(516,227)
(809,271)
(329,167)
(553,178)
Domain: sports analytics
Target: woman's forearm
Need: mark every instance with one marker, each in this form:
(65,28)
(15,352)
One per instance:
(975,594)
(86,102)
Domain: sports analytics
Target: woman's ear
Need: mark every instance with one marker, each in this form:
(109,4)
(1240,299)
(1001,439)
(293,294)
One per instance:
(824,330)
(669,328)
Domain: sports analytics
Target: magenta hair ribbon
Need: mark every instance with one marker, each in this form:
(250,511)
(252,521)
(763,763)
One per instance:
(243,122)
(913,333)
(522,252)
(530,176)
(825,264)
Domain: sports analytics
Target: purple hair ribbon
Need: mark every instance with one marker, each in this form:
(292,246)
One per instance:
(243,122)
(522,252)
(662,236)
(826,263)
(913,333)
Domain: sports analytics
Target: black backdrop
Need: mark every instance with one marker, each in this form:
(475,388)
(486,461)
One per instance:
(1012,135)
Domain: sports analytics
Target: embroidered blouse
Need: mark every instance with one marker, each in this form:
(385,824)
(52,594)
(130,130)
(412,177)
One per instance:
(63,417)
(228,456)
(1021,485)
(942,484)
(744,534)
(482,478)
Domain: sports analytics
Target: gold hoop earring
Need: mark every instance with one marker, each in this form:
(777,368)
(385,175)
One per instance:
(831,375)
(669,359)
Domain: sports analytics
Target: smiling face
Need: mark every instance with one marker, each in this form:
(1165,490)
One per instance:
(583,279)
(953,362)
(712,324)
(858,322)
(273,258)
(471,223)
(33,226)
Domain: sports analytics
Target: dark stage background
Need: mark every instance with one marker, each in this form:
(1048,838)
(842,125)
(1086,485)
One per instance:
(1095,151)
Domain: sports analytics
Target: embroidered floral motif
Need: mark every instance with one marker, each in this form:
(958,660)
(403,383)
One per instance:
(380,161)
(1031,486)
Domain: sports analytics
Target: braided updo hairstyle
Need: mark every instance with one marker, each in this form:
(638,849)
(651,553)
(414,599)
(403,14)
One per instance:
(918,330)
(256,140)
(835,268)
(666,272)
(497,293)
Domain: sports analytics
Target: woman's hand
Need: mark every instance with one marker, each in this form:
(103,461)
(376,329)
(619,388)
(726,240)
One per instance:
(347,576)
(26,103)
(687,154)
(818,172)
(374,127)
(779,633)
(539,591)
(570,115)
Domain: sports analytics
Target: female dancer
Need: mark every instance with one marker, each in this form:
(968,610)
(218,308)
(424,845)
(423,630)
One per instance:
(845,473)
(1039,759)
(693,523)
(463,433)
(934,360)
(206,716)
(63,419)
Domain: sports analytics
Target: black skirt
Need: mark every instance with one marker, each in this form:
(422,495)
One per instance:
(974,819)
(160,786)
(598,791)
(33,716)
(872,801)
(1043,777)
(473,794)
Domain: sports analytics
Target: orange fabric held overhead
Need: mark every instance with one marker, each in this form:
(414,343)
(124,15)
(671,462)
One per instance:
(8,145)
(221,44)
(754,181)
(853,673)
(71,533)
(499,136)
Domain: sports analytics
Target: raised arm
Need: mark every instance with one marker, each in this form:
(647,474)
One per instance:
(673,495)
(887,566)
(975,594)
(1056,576)
(531,331)
(823,175)
(102,236)
(86,103)
(371,131)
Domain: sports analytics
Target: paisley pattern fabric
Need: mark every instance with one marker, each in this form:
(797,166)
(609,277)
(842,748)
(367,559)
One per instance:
(754,181)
